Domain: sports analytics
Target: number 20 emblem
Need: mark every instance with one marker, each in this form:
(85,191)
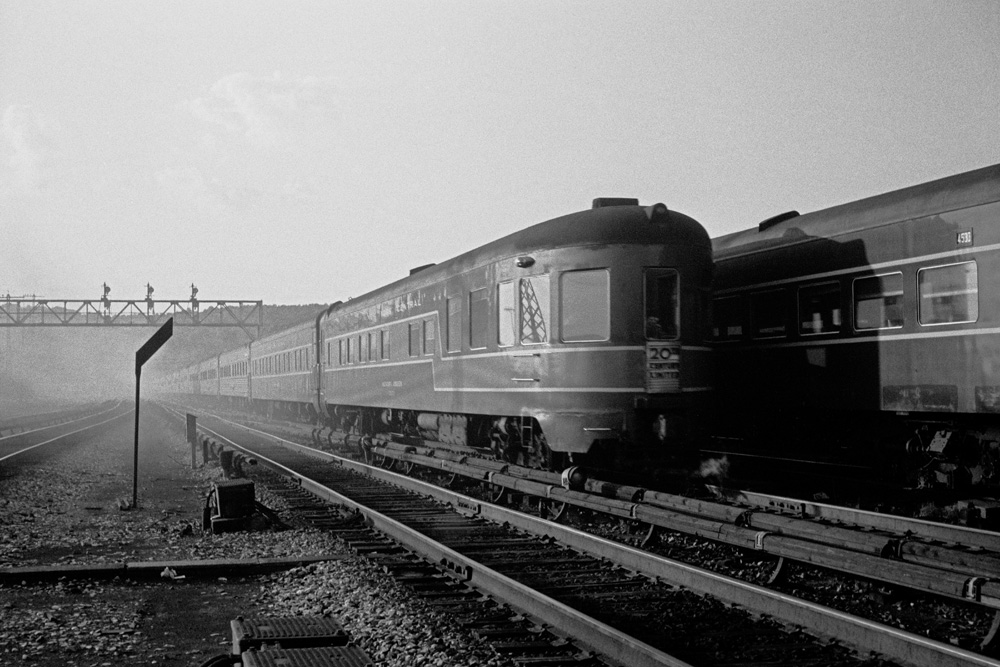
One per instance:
(659,353)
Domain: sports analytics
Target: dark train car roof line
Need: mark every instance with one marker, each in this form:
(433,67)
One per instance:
(971,188)
(591,227)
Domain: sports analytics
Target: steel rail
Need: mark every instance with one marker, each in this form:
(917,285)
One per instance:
(70,420)
(65,435)
(584,630)
(863,634)
(931,530)
(892,559)
(961,576)
(966,577)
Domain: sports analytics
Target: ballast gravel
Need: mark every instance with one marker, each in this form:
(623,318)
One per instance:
(396,628)
(64,507)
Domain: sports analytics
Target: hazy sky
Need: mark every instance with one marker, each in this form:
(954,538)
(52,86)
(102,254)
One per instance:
(301,152)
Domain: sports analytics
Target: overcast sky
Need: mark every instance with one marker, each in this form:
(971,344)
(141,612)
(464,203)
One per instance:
(302,152)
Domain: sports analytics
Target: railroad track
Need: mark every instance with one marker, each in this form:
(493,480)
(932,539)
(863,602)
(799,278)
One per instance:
(28,434)
(30,422)
(648,596)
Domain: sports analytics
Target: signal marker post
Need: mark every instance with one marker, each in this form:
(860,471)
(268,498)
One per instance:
(148,349)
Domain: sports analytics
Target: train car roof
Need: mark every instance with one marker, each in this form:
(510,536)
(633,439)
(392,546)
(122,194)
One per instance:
(971,188)
(607,225)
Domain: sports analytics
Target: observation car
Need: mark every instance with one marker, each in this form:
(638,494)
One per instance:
(579,339)
(583,334)
(869,331)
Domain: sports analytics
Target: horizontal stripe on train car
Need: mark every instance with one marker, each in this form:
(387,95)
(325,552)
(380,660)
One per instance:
(870,338)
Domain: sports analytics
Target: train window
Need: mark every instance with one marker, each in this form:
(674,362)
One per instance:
(949,294)
(429,336)
(351,349)
(585,305)
(506,314)
(414,339)
(768,314)
(454,340)
(819,309)
(362,348)
(878,302)
(383,343)
(534,309)
(662,311)
(728,316)
(479,316)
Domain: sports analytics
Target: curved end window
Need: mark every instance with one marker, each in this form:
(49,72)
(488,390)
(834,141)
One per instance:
(534,297)
(662,304)
(585,306)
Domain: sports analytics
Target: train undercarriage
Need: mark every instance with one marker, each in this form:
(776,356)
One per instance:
(517,440)
(923,451)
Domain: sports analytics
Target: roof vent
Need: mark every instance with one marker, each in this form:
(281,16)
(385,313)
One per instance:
(603,202)
(777,219)
(421,268)
(658,213)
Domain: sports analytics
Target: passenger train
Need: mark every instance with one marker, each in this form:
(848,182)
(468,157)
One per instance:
(579,339)
(868,332)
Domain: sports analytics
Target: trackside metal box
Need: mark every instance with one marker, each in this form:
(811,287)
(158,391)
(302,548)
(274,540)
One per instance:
(287,632)
(235,498)
(327,656)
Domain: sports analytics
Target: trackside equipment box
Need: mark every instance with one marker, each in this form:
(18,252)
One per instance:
(235,498)
(232,505)
(326,656)
(287,632)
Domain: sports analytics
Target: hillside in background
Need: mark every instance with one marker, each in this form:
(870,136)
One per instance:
(45,365)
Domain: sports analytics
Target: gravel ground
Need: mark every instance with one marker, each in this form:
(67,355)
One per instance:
(65,509)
